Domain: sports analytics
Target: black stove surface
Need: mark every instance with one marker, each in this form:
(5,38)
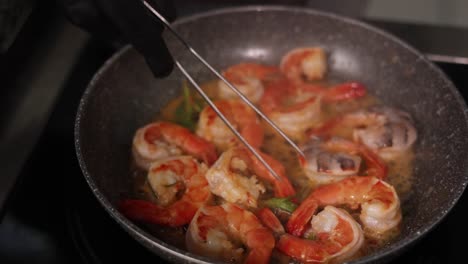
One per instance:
(53,217)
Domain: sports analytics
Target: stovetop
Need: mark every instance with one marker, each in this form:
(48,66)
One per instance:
(52,217)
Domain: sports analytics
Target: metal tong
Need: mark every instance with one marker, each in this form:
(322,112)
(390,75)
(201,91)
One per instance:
(208,100)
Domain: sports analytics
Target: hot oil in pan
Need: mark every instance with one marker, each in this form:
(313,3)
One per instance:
(399,171)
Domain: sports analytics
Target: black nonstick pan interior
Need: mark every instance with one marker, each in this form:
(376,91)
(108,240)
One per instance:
(124,96)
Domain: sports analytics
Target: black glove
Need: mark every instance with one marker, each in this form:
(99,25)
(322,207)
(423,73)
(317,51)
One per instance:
(130,19)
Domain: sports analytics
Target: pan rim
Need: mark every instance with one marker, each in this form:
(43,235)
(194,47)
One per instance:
(187,256)
(126,224)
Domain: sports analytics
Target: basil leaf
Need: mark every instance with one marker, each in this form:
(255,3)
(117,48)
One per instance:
(186,113)
(184,117)
(282,203)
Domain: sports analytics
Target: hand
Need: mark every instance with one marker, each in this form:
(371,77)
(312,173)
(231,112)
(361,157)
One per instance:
(131,20)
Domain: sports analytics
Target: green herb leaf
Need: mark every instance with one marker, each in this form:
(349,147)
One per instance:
(281,203)
(186,113)
(184,117)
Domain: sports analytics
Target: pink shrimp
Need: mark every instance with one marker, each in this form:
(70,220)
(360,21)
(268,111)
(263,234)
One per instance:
(292,113)
(336,93)
(304,64)
(163,139)
(270,220)
(245,120)
(247,78)
(298,107)
(387,131)
(234,177)
(378,200)
(283,187)
(331,160)
(333,235)
(168,178)
(220,231)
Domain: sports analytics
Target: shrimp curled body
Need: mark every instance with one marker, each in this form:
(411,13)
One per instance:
(169,178)
(234,177)
(298,107)
(220,231)
(244,119)
(292,112)
(160,140)
(387,131)
(331,160)
(336,235)
(378,200)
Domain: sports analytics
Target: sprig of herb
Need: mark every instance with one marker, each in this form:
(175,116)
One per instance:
(186,113)
(282,203)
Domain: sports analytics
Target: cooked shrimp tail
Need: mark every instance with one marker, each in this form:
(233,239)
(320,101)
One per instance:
(344,91)
(148,212)
(375,165)
(169,178)
(297,223)
(270,220)
(283,187)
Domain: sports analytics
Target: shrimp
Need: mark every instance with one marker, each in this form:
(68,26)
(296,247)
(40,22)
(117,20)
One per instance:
(292,113)
(304,63)
(180,176)
(333,235)
(221,231)
(387,131)
(283,187)
(328,161)
(247,78)
(234,177)
(378,200)
(244,119)
(230,178)
(336,93)
(270,220)
(296,108)
(160,140)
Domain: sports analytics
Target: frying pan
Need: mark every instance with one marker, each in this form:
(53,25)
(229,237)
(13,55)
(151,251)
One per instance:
(124,96)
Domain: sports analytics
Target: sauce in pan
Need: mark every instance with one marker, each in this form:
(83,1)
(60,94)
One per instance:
(391,134)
